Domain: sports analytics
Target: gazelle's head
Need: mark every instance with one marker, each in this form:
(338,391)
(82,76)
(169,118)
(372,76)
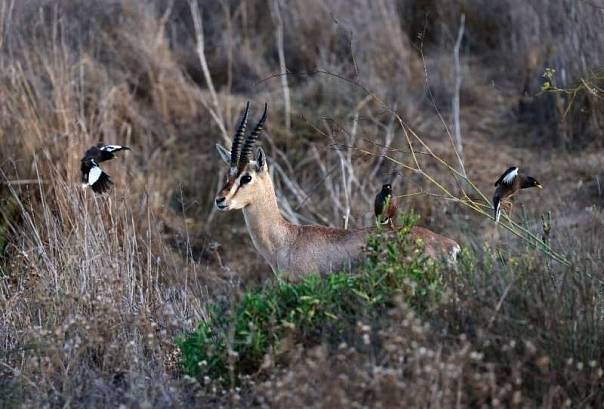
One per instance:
(248,179)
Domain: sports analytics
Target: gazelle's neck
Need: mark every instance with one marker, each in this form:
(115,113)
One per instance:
(268,229)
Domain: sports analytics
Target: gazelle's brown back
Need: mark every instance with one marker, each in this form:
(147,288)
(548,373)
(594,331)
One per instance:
(436,245)
(321,249)
(325,250)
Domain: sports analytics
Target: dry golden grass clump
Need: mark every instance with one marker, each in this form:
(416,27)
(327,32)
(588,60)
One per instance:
(96,290)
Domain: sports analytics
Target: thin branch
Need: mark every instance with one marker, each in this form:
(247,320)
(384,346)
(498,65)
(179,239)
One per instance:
(282,67)
(23,182)
(434,105)
(215,111)
(455,103)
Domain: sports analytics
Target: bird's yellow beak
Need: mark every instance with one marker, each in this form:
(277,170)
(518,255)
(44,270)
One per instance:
(539,186)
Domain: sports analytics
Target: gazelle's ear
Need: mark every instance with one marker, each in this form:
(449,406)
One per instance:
(260,161)
(224,153)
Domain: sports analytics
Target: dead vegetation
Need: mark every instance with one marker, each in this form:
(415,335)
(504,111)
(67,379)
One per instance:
(94,290)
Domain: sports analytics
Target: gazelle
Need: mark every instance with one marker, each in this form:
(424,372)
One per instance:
(291,248)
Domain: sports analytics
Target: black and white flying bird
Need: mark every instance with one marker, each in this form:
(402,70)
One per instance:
(92,174)
(508,184)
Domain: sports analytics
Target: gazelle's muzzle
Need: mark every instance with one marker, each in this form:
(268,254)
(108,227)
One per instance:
(221,202)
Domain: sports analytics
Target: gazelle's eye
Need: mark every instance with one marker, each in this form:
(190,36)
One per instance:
(246,179)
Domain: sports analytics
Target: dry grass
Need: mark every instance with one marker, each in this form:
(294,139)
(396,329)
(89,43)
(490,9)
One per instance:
(94,290)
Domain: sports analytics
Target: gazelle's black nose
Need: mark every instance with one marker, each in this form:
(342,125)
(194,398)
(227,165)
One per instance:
(220,203)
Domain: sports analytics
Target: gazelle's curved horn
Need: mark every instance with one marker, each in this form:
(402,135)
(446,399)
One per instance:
(238,139)
(250,141)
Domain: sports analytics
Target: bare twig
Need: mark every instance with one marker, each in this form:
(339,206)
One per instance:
(500,303)
(348,168)
(455,103)
(435,106)
(280,50)
(215,110)
(291,185)
(23,182)
(163,21)
(385,148)
(6,11)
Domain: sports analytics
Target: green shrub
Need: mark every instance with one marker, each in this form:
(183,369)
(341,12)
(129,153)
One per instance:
(235,340)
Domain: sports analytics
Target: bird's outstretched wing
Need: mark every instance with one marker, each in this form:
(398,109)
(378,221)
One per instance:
(103,183)
(93,176)
(508,176)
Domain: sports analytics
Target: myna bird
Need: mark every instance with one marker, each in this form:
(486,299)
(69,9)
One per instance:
(385,205)
(92,174)
(508,185)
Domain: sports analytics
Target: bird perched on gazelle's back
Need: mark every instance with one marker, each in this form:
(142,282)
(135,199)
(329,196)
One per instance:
(385,205)
(92,174)
(508,184)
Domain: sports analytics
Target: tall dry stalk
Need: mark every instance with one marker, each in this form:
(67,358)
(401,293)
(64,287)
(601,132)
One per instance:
(214,110)
(276,12)
(455,102)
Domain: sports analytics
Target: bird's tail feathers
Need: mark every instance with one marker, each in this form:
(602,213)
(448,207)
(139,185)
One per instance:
(497,205)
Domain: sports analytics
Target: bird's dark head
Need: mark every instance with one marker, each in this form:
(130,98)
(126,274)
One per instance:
(387,188)
(531,182)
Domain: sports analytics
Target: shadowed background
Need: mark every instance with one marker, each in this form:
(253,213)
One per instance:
(99,286)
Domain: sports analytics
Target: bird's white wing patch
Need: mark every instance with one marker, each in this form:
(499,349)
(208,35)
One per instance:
(509,178)
(111,148)
(94,174)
